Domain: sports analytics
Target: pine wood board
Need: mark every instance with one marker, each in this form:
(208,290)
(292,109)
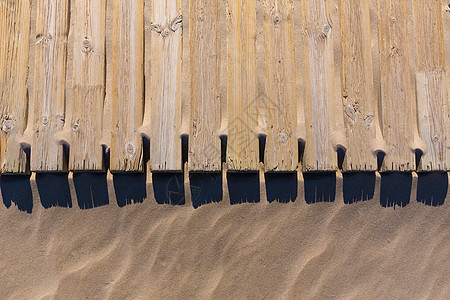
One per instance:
(14,37)
(88,85)
(280,102)
(431,83)
(205,43)
(127,86)
(445,8)
(165,84)
(242,152)
(397,94)
(321,86)
(359,98)
(48,115)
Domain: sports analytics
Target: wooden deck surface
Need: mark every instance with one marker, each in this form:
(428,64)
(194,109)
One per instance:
(85,85)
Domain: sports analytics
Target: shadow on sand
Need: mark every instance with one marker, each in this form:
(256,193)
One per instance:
(432,188)
(91,189)
(395,189)
(169,188)
(205,188)
(281,187)
(320,187)
(358,186)
(17,189)
(243,187)
(130,188)
(54,190)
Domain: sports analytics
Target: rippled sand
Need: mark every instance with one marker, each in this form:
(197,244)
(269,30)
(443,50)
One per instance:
(259,250)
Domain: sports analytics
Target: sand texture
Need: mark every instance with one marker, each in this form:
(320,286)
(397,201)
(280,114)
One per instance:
(145,250)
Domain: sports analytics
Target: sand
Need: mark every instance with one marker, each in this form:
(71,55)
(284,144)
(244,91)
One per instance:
(146,250)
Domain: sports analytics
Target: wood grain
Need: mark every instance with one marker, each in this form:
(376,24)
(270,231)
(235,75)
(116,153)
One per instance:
(166,66)
(319,85)
(127,86)
(14,37)
(49,85)
(359,97)
(205,62)
(431,84)
(88,85)
(242,141)
(397,96)
(281,151)
(445,8)
(366,76)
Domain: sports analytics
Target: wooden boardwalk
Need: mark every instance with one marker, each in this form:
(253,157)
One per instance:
(286,83)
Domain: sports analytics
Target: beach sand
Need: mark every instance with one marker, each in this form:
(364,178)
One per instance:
(135,248)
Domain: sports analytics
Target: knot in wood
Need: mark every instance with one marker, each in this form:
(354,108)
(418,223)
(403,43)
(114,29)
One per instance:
(394,51)
(176,23)
(351,112)
(75,126)
(39,39)
(129,149)
(283,137)
(326,29)
(276,19)
(8,125)
(49,36)
(156,28)
(436,139)
(60,119)
(45,120)
(87,46)
(368,120)
(165,33)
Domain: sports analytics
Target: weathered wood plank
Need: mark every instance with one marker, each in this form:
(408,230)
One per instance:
(146,128)
(446,39)
(127,86)
(396,90)
(14,37)
(359,97)
(242,142)
(299,79)
(49,85)
(320,85)
(281,151)
(205,63)
(88,85)
(433,118)
(166,66)
(431,84)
